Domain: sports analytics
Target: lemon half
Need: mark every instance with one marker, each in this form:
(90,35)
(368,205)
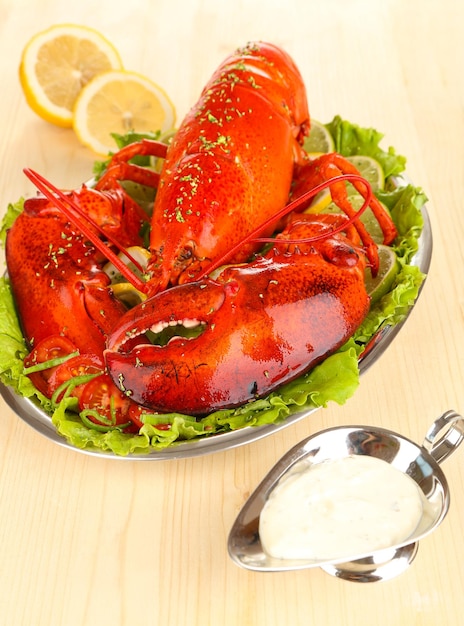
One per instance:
(55,65)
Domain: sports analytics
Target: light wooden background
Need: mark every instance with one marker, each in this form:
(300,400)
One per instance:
(86,541)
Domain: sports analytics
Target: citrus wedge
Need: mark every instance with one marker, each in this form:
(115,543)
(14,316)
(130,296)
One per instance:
(166,138)
(319,139)
(117,102)
(56,63)
(388,269)
(123,290)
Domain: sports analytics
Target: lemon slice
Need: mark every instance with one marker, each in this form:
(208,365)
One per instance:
(128,294)
(388,269)
(139,254)
(118,102)
(320,202)
(323,198)
(56,63)
(370,169)
(319,139)
(123,290)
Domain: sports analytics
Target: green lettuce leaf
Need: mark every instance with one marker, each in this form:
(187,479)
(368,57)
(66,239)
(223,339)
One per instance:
(351,139)
(12,212)
(13,346)
(405,203)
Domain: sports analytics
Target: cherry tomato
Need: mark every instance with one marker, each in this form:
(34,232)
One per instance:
(101,395)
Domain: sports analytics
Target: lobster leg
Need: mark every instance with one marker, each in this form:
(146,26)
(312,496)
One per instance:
(330,166)
(120,166)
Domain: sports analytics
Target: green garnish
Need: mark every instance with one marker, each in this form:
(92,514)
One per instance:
(45,365)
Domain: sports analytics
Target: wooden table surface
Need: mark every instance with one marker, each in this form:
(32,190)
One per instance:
(87,541)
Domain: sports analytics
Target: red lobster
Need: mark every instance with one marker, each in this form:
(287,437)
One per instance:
(233,164)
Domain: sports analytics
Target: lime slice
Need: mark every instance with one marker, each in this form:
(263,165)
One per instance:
(319,139)
(166,138)
(388,269)
(142,194)
(367,217)
(370,169)
(372,225)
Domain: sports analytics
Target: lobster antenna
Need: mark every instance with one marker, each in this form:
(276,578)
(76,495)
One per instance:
(73,212)
(301,200)
(295,204)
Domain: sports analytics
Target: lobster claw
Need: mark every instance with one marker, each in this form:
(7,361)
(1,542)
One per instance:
(151,374)
(259,325)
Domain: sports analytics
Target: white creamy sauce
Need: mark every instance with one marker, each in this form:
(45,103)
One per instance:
(351,506)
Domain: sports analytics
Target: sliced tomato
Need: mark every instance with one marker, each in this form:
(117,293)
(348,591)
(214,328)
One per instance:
(101,395)
(80,365)
(39,381)
(49,349)
(136,412)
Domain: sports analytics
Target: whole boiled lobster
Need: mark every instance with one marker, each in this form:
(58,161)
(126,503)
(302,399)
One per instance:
(241,322)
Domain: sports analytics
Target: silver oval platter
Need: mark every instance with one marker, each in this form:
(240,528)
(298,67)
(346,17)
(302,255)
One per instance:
(35,417)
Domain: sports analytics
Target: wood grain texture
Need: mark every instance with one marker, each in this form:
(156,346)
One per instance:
(88,541)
